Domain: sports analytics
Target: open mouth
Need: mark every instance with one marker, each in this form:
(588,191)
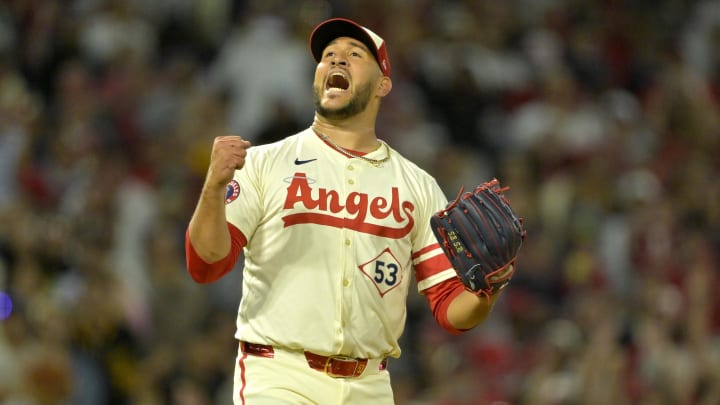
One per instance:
(337,81)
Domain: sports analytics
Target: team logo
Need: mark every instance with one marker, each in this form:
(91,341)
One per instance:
(233,191)
(361,212)
(302,162)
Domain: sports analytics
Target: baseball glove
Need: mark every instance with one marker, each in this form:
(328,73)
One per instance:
(481,236)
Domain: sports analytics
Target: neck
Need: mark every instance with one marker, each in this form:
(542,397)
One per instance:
(359,138)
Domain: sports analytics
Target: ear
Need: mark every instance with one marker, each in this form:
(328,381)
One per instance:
(384,86)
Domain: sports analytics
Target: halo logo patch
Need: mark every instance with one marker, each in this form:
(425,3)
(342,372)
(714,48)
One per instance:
(233,191)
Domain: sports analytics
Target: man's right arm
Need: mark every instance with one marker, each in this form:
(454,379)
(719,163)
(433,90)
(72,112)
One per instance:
(208,236)
(207,231)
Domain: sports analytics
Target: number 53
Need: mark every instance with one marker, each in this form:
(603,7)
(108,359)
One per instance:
(385,273)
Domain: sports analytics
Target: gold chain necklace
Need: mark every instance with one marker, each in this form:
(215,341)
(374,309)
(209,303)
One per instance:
(374,162)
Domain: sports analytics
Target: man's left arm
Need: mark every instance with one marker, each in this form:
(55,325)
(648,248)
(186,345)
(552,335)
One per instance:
(456,309)
(468,310)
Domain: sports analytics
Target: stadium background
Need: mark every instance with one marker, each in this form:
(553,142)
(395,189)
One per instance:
(603,116)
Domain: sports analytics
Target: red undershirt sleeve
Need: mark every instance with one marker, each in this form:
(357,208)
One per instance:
(203,272)
(440,296)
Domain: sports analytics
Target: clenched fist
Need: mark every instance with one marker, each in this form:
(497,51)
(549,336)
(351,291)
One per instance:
(228,154)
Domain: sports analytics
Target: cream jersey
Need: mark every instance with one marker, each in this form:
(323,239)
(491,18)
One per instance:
(332,244)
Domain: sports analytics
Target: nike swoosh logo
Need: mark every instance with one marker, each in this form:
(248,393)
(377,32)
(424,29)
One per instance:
(302,162)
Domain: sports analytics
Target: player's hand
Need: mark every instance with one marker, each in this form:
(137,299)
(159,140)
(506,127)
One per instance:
(502,275)
(228,154)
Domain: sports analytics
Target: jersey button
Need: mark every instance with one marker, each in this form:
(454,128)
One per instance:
(347,242)
(346,283)
(351,167)
(351,181)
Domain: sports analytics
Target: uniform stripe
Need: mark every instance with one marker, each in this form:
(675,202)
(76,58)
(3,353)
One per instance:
(424,250)
(431,266)
(241,363)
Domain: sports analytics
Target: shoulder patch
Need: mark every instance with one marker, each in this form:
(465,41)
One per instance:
(233,191)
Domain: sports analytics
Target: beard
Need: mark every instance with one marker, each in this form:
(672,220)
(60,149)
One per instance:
(356,105)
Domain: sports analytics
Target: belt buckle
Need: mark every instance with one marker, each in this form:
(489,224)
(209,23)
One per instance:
(344,359)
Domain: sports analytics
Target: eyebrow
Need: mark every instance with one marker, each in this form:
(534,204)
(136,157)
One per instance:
(353,43)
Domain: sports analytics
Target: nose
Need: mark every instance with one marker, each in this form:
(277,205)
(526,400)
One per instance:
(338,60)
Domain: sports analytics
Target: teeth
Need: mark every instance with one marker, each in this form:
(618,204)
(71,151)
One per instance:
(337,80)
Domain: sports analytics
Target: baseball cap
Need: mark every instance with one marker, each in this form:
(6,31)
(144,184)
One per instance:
(333,28)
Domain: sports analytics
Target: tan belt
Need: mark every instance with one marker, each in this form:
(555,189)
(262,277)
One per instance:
(334,366)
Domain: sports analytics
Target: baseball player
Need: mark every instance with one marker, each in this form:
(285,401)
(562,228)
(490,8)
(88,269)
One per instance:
(333,222)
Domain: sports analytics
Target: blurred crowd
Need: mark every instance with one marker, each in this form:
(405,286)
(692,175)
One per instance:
(602,116)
